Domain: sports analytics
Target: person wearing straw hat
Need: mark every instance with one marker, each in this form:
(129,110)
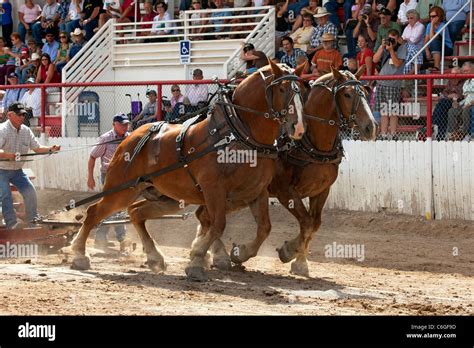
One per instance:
(323,59)
(324,26)
(15,139)
(78,42)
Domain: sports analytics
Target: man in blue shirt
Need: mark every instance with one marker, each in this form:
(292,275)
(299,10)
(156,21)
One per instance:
(51,46)
(12,95)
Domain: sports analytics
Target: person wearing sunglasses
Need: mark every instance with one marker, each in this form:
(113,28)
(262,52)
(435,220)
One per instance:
(178,102)
(437,21)
(413,36)
(16,138)
(61,57)
(386,24)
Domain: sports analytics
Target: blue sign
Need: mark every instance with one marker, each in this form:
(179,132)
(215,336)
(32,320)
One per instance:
(185,51)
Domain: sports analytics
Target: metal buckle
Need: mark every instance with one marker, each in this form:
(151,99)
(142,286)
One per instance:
(213,131)
(332,122)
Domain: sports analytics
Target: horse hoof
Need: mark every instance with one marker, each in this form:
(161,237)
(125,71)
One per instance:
(285,254)
(222,264)
(300,269)
(157,266)
(196,274)
(236,253)
(81,263)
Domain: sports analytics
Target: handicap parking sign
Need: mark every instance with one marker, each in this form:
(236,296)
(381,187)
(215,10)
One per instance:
(185,51)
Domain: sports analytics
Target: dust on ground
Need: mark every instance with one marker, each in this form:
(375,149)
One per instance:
(410,267)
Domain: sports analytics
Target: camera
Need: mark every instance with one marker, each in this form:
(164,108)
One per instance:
(365,17)
(389,41)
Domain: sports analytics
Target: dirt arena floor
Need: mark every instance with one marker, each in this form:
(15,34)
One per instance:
(409,269)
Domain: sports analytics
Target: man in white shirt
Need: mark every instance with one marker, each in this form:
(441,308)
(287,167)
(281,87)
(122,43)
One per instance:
(197,93)
(32,99)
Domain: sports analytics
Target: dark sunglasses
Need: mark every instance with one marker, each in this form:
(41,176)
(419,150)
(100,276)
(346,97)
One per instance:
(434,16)
(175,90)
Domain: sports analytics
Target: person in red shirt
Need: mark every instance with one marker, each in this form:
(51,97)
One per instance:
(147,17)
(365,56)
(323,59)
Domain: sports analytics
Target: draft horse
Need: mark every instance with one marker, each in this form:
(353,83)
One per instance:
(185,158)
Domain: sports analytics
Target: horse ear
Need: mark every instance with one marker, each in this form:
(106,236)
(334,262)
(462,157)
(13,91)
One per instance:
(275,68)
(360,72)
(337,75)
(300,68)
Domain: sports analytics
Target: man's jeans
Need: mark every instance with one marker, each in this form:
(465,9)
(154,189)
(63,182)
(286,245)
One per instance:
(27,190)
(101,233)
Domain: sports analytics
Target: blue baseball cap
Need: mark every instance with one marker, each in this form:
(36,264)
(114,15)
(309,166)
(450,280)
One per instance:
(121,118)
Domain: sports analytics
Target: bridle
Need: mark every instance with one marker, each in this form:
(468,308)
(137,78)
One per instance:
(344,122)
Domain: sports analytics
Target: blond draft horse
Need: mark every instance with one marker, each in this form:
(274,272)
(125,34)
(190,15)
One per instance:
(335,101)
(299,175)
(220,187)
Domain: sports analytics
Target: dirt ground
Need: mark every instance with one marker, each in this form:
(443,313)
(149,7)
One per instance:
(411,267)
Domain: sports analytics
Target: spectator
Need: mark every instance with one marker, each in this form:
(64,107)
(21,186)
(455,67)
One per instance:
(367,26)
(32,99)
(105,152)
(324,26)
(178,102)
(63,51)
(33,47)
(365,56)
(160,22)
(327,57)
(423,9)
(219,23)
(391,54)
(413,36)
(51,46)
(310,10)
(405,6)
(15,57)
(459,116)
(12,95)
(281,29)
(128,13)
(7,21)
(15,138)
(434,48)
(63,11)
(112,11)
(461,21)
(149,112)
(149,15)
(49,19)
(47,71)
(254,59)
(289,58)
(333,8)
(67,24)
(91,10)
(452,92)
(4,56)
(197,20)
(379,5)
(78,43)
(302,36)
(358,10)
(27,15)
(197,93)
(385,26)
(29,69)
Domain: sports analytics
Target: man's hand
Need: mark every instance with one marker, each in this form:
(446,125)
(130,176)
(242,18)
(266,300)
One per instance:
(91,182)
(55,148)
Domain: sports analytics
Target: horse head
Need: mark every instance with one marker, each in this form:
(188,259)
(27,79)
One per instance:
(351,103)
(281,92)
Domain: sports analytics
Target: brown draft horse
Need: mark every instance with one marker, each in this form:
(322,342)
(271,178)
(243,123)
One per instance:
(220,187)
(304,172)
(309,167)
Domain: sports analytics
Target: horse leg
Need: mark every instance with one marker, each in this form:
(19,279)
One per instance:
(97,212)
(220,257)
(292,201)
(216,210)
(300,265)
(144,210)
(259,209)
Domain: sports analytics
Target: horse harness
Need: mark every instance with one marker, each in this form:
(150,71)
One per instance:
(303,152)
(222,134)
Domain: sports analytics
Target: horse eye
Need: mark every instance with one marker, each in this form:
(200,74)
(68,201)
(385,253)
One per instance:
(347,95)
